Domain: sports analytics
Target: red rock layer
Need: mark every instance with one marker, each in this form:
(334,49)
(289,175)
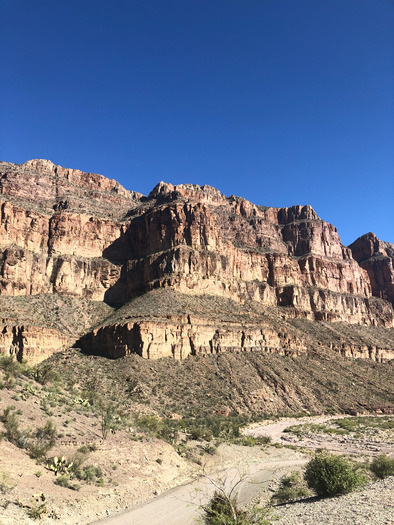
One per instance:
(73,233)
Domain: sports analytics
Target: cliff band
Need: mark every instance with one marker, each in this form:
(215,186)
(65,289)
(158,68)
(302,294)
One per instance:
(183,271)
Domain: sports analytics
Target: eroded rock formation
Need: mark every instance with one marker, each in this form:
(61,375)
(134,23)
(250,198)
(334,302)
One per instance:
(82,235)
(377,258)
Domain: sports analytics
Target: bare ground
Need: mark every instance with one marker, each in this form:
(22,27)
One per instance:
(259,472)
(136,469)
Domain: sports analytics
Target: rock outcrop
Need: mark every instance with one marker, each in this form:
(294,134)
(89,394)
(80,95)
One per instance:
(68,233)
(377,258)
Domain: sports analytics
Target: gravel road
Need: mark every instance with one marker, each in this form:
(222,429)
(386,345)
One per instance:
(372,505)
(181,505)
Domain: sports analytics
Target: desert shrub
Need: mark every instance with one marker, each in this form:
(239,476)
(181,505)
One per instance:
(85,449)
(330,475)
(222,509)
(110,419)
(37,508)
(64,481)
(44,374)
(291,487)
(78,458)
(249,441)
(218,428)
(11,367)
(47,432)
(362,423)
(209,449)
(150,423)
(44,439)
(6,483)
(382,466)
(11,424)
(89,474)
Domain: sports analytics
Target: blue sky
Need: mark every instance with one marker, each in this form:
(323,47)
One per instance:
(279,101)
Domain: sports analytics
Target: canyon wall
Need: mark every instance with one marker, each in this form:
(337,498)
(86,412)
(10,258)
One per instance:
(79,234)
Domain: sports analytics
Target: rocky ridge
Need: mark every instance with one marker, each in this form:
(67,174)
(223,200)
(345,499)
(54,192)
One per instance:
(65,233)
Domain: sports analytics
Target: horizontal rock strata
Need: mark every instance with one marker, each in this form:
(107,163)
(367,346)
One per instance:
(69,233)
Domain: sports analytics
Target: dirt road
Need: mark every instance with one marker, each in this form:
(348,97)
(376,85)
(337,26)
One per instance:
(181,506)
(257,467)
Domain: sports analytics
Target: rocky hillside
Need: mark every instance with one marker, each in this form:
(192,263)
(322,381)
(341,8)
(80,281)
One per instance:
(183,271)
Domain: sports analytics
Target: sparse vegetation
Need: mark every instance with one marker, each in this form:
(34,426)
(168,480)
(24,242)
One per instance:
(6,483)
(382,466)
(10,420)
(44,438)
(291,487)
(89,474)
(37,508)
(223,509)
(12,369)
(195,420)
(354,427)
(219,428)
(65,481)
(110,419)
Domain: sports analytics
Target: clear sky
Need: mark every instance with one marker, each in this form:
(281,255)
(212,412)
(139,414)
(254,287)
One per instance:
(279,101)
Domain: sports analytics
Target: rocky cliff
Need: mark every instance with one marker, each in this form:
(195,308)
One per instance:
(65,233)
(377,258)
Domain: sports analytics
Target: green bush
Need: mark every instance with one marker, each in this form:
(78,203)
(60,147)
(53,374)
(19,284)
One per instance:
(382,466)
(46,374)
(12,367)
(223,510)
(89,474)
(291,487)
(64,481)
(11,424)
(330,475)
(44,440)
(110,420)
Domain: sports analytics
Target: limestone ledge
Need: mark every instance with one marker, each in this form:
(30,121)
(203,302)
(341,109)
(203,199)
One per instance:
(31,343)
(182,337)
(186,336)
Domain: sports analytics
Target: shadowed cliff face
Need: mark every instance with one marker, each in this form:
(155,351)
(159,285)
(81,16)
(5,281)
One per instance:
(79,234)
(377,258)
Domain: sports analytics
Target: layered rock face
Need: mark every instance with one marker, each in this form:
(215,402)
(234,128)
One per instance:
(31,343)
(46,247)
(81,235)
(377,258)
(197,241)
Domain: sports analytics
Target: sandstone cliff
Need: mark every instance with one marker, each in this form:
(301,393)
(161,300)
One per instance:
(377,258)
(65,233)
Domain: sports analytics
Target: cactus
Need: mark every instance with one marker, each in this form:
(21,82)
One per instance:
(81,401)
(60,466)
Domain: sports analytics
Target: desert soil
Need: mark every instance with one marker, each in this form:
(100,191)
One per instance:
(259,472)
(144,491)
